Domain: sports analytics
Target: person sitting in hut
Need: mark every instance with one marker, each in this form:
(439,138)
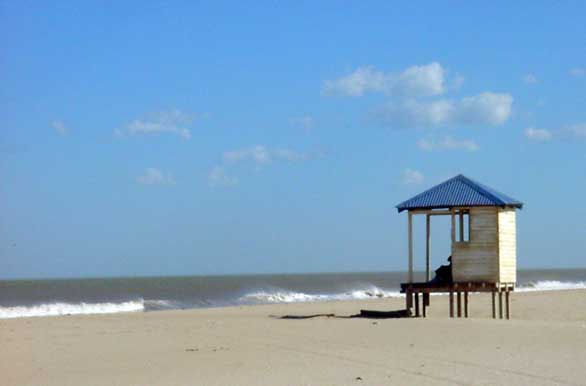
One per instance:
(443,275)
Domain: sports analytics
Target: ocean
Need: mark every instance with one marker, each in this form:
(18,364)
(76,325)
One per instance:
(31,298)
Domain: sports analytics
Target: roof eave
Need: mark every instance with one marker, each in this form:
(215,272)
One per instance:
(518,205)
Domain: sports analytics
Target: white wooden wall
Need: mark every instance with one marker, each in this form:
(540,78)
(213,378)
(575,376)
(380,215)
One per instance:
(491,253)
(507,245)
(477,260)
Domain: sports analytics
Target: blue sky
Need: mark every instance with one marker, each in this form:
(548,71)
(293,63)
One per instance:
(150,138)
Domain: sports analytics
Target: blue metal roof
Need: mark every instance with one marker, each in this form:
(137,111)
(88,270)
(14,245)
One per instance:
(458,191)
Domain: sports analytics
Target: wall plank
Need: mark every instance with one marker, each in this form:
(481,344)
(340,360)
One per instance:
(477,260)
(507,245)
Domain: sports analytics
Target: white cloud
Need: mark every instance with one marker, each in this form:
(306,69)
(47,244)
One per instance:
(172,121)
(261,155)
(538,135)
(425,80)
(363,80)
(578,71)
(412,177)
(484,109)
(148,127)
(530,79)
(153,176)
(59,127)
(305,122)
(218,177)
(258,156)
(420,81)
(571,132)
(447,143)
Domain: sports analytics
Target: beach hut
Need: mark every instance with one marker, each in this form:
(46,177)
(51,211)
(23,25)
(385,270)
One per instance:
(483,243)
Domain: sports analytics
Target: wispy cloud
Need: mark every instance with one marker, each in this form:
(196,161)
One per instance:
(261,155)
(483,109)
(537,135)
(257,157)
(571,132)
(154,176)
(218,177)
(447,143)
(411,177)
(578,71)
(60,127)
(425,80)
(530,79)
(173,122)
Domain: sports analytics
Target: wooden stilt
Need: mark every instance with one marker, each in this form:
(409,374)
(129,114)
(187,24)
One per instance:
(500,304)
(424,306)
(465,304)
(451,304)
(417,304)
(507,302)
(459,304)
(408,300)
(493,306)
(426,298)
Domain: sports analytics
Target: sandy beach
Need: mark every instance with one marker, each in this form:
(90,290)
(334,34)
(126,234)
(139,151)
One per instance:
(543,344)
(214,192)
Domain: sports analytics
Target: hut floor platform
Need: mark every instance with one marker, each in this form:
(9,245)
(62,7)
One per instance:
(460,291)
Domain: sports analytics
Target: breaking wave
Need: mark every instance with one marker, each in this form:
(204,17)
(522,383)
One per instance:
(263,295)
(284,296)
(551,285)
(54,309)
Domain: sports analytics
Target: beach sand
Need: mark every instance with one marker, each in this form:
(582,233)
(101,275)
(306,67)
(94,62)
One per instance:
(543,344)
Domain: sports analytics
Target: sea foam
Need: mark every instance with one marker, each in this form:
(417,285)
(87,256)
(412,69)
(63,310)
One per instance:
(551,285)
(284,296)
(270,295)
(53,309)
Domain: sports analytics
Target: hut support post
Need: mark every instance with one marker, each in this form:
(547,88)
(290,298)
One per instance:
(500,304)
(427,247)
(451,304)
(459,304)
(493,306)
(507,302)
(465,304)
(417,304)
(410,232)
(424,304)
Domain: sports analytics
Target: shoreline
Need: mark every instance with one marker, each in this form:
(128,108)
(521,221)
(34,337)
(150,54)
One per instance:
(254,298)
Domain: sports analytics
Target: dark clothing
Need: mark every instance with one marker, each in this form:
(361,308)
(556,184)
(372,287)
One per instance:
(443,274)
